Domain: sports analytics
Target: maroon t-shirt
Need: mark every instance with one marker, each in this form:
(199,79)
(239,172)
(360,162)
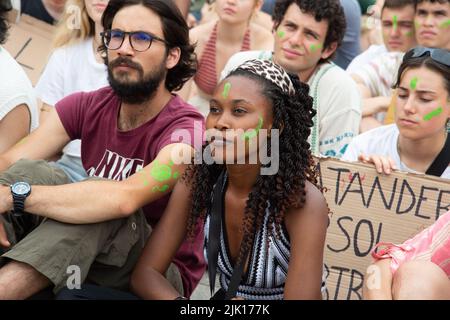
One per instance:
(109,153)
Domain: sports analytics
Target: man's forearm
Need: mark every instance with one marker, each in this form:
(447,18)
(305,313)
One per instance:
(80,203)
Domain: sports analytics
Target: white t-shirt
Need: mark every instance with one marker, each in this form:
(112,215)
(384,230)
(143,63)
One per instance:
(71,69)
(380,141)
(366,57)
(15,88)
(337,101)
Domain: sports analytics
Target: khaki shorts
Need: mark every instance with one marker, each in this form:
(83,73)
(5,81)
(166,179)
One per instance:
(105,253)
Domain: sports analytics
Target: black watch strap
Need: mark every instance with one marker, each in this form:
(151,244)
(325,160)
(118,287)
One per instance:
(18,204)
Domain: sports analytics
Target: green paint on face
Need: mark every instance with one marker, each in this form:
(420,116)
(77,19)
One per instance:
(281,34)
(314,47)
(433,114)
(253,132)
(445,24)
(409,33)
(413,83)
(395,21)
(226,90)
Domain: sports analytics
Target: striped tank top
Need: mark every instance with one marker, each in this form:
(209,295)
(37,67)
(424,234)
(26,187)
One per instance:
(267,266)
(206,76)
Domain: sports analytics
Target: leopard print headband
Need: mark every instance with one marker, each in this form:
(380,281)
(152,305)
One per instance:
(270,71)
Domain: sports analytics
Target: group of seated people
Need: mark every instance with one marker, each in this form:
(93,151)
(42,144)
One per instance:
(137,170)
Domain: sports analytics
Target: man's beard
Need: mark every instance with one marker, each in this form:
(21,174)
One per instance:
(136,92)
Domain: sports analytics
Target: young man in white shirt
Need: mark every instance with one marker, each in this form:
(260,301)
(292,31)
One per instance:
(375,79)
(307,35)
(397,26)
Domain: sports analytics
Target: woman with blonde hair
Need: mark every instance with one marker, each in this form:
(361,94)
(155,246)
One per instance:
(75,65)
(219,39)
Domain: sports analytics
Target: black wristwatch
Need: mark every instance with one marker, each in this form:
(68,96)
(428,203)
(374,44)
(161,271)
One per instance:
(20,191)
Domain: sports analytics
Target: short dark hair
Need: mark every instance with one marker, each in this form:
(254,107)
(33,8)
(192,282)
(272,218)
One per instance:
(176,34)
(5,6)
(397,4)
(432,1)
(329,10)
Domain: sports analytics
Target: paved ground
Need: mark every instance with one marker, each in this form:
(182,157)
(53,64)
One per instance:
(202,290)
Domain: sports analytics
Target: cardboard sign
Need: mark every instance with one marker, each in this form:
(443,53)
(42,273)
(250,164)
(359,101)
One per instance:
(30,43)
(368,208)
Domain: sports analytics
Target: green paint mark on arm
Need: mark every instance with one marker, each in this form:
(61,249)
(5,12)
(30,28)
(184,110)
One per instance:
(164,188)
(433,114)
(226,90)
(161,172)
(253,132)
(413,83)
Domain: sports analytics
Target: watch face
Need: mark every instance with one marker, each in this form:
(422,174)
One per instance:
(21,188)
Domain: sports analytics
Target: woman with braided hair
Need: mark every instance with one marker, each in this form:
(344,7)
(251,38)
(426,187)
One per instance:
(271,228)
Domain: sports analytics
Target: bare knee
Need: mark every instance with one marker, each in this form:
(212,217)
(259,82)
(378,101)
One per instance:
(420,280)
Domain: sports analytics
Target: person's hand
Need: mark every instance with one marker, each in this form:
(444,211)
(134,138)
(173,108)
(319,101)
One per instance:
(238,298)
(382,164)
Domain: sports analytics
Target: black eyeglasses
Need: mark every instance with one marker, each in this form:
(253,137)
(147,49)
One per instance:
(139,40)
(439,55)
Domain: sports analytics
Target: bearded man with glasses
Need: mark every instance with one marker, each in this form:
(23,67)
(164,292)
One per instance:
(94,231)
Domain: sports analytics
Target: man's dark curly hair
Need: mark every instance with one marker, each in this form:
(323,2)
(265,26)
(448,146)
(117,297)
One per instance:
(5,6)
(432,1)
(176,33)
(292,115)
(329,10)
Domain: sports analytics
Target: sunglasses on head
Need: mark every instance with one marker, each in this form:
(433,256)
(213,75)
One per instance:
(439,55)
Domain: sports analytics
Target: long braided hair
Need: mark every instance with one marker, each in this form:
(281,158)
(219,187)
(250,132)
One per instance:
(292,115)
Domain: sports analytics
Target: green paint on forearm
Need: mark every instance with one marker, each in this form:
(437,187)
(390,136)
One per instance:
(226,90)
(253,132)
(164,188)
(433,114)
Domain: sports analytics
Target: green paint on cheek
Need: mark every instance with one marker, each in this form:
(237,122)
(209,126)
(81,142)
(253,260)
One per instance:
(314,47)
(433,114)
(445,24)
(409,33)
(176,175)
(22,141)
(254,132)
(281,34)
(226,90)
(413,83)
